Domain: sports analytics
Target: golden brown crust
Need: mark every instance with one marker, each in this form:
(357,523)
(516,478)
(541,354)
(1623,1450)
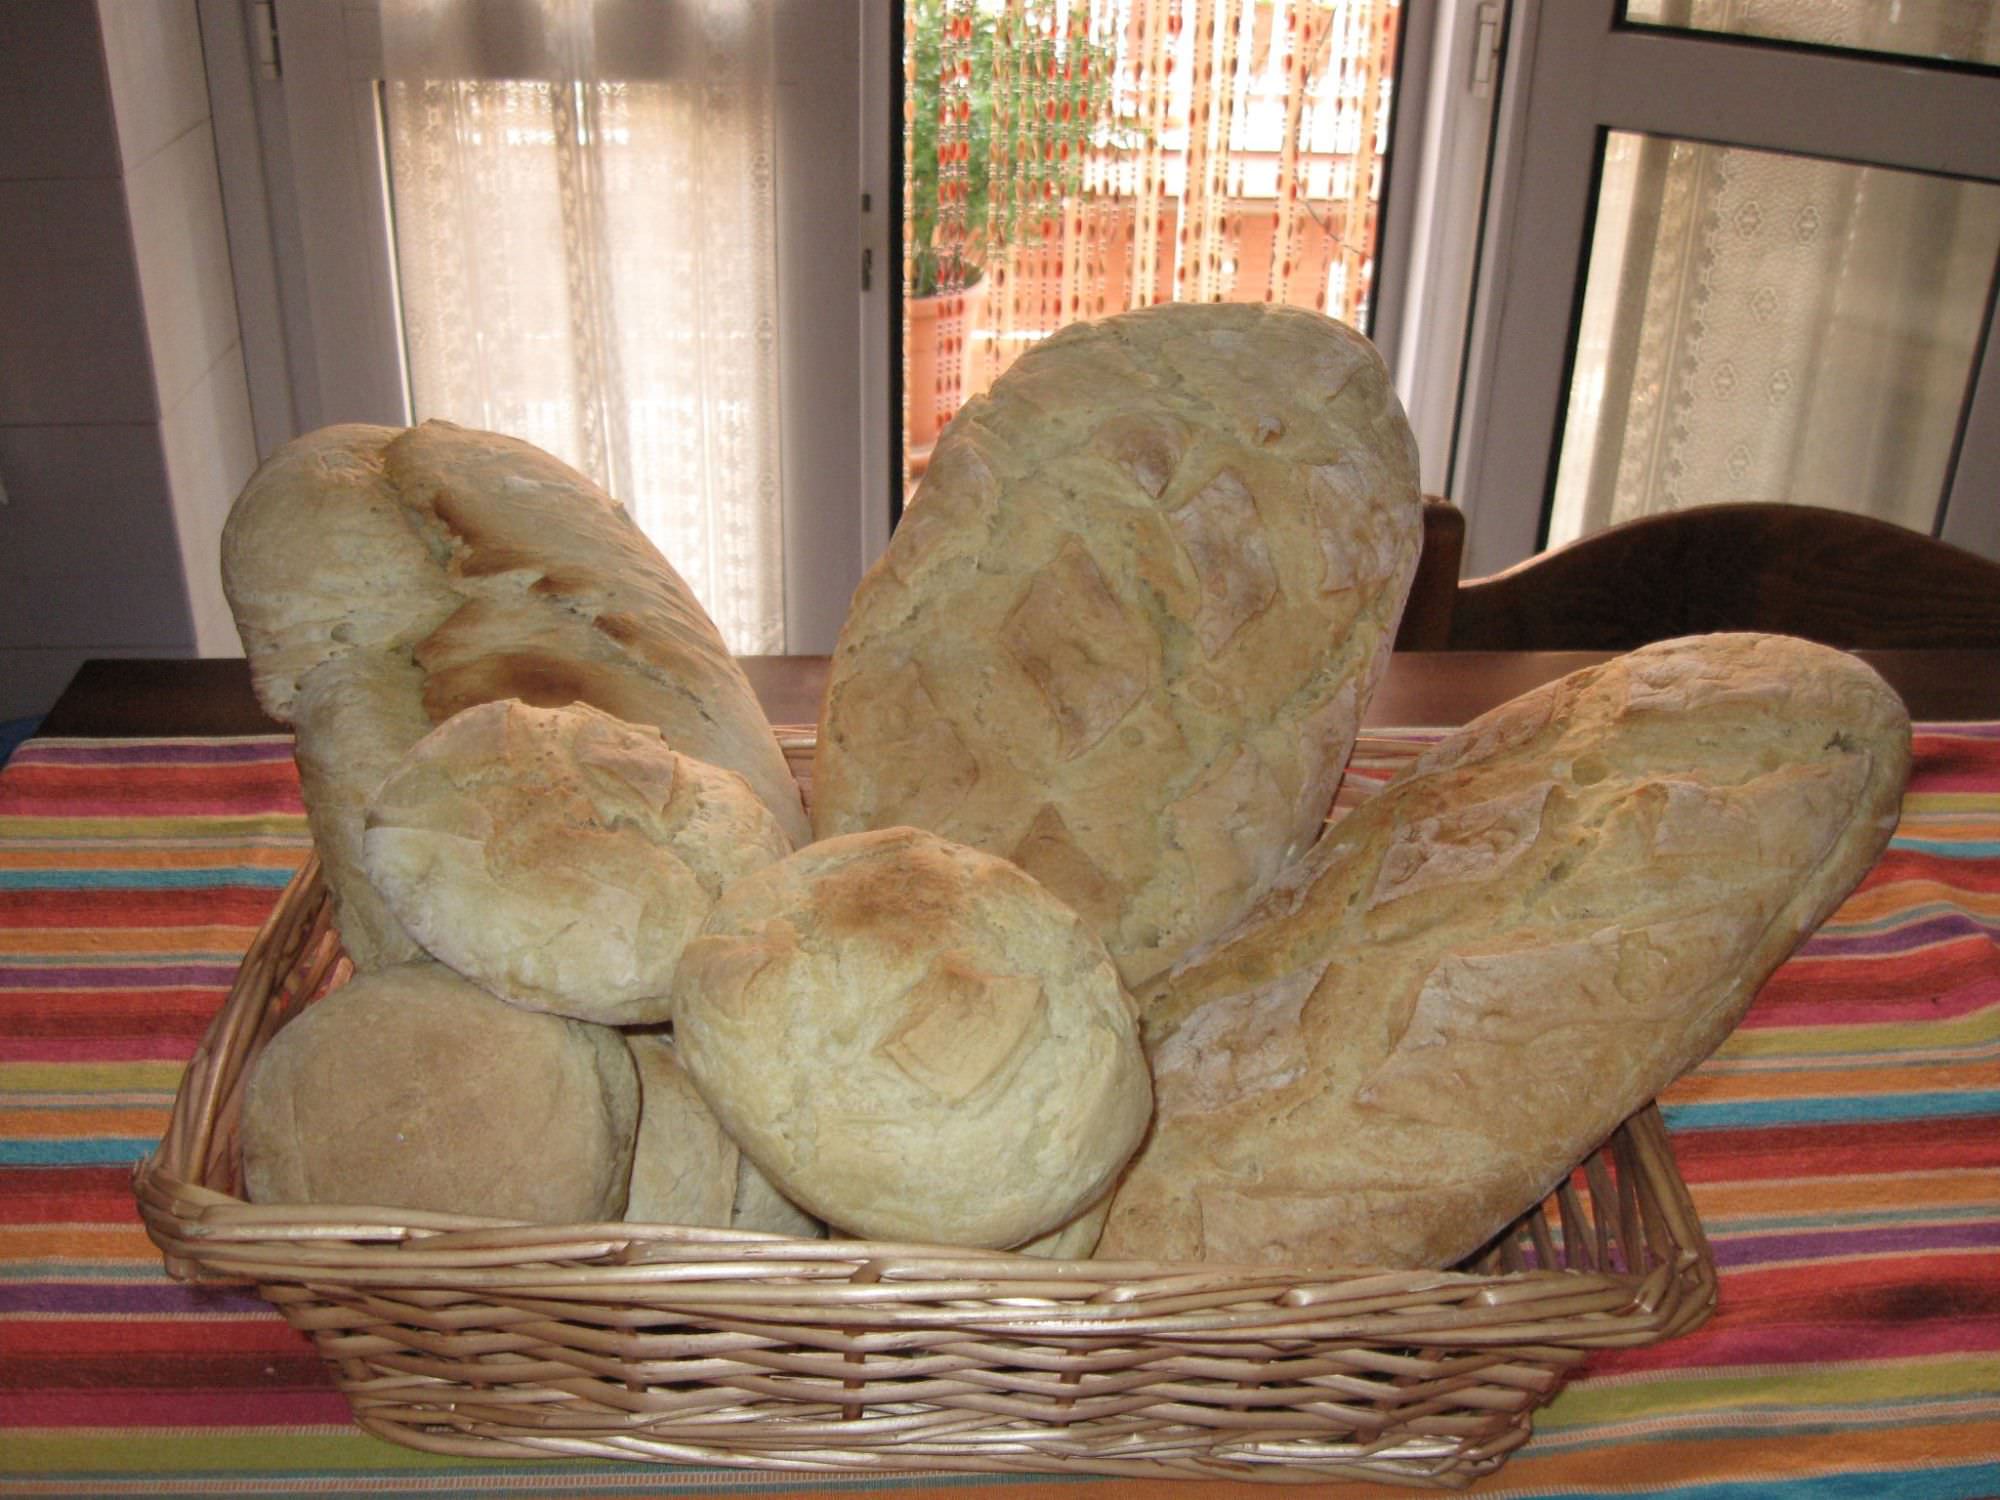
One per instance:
(479,568)
(561,857)
(914,1040)
(413,1088)
(1126,628)
(1479,972)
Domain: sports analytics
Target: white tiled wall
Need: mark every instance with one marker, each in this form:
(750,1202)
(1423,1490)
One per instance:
(176,206)
(152,51)
(159,97)
(124,415)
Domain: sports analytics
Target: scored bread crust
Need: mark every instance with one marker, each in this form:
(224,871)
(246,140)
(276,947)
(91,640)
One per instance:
(395,576)
(1518,942)
(559,856)
(914,1041)
(1125,632)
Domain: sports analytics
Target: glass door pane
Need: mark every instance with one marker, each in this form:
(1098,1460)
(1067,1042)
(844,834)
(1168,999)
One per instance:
(1066,159)
(1958,30)
(1763,326)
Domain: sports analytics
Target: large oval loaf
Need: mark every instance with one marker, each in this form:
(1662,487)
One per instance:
(1481,971)
(1125,633)
(383,579)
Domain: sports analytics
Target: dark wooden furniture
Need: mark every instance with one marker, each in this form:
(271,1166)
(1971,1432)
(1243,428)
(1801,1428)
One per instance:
(142,698)
(1842,579)
(1426,624)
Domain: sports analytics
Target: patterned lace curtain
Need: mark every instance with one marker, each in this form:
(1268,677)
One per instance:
(584,211)
(1065,159)
(1764,327)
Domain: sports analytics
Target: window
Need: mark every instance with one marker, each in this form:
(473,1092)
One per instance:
(1444,172)
(310,189)
(1743,251)
(1065,161)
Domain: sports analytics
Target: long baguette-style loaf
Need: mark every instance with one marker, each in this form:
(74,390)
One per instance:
(1124,635)
(382,579)
(1479,972)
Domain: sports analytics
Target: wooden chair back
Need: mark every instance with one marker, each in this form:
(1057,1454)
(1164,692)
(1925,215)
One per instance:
(1426,624)
(1831,576)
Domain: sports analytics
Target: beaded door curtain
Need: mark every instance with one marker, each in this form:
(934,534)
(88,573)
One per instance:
(1065,159)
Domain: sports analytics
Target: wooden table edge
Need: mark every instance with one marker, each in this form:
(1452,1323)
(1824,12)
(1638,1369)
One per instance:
(148,697)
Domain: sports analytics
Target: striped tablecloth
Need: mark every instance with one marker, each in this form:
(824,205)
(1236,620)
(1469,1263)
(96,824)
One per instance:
(1843,1147)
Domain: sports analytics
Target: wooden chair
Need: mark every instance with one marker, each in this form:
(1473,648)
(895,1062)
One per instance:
(1842,579)
(1426,624)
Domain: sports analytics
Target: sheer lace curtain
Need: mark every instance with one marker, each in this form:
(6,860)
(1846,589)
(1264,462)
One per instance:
(1761,327)
(584,210)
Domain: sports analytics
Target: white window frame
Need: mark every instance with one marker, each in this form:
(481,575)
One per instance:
(1484,237)
(1447,88)
(1573,73)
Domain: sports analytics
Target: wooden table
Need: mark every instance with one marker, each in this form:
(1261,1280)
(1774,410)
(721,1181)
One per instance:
(141,697)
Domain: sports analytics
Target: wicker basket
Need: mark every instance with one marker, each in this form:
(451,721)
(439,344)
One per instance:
(702,1346)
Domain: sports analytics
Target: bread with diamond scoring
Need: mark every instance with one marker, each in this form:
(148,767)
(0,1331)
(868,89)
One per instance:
(914,1041)
(1522,939)
(1126,630)
(560,857)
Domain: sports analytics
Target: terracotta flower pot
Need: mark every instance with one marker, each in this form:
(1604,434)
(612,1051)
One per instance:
(939,325)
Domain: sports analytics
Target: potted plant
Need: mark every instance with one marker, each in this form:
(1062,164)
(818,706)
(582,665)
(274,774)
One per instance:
(1049,100)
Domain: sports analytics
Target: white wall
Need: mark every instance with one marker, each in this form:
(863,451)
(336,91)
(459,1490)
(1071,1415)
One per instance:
(159,95)
(123,408)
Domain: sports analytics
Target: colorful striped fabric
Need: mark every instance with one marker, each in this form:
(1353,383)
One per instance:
(1844,1149)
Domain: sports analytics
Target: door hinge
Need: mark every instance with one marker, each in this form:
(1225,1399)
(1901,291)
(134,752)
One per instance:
(867,251)
(264,38)
(1486,45)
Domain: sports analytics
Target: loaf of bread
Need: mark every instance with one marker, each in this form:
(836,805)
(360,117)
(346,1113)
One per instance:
(1482,970)
(914,1041)
(413,1088)
(685,1168)
(560,857)
(383,579)
(1075,1240)
(1125,631)
(353,719)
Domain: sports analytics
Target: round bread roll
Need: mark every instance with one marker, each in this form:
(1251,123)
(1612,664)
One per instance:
(1126,631)
(560,857)
(413,1088)
(914,1040)
(686,1169)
